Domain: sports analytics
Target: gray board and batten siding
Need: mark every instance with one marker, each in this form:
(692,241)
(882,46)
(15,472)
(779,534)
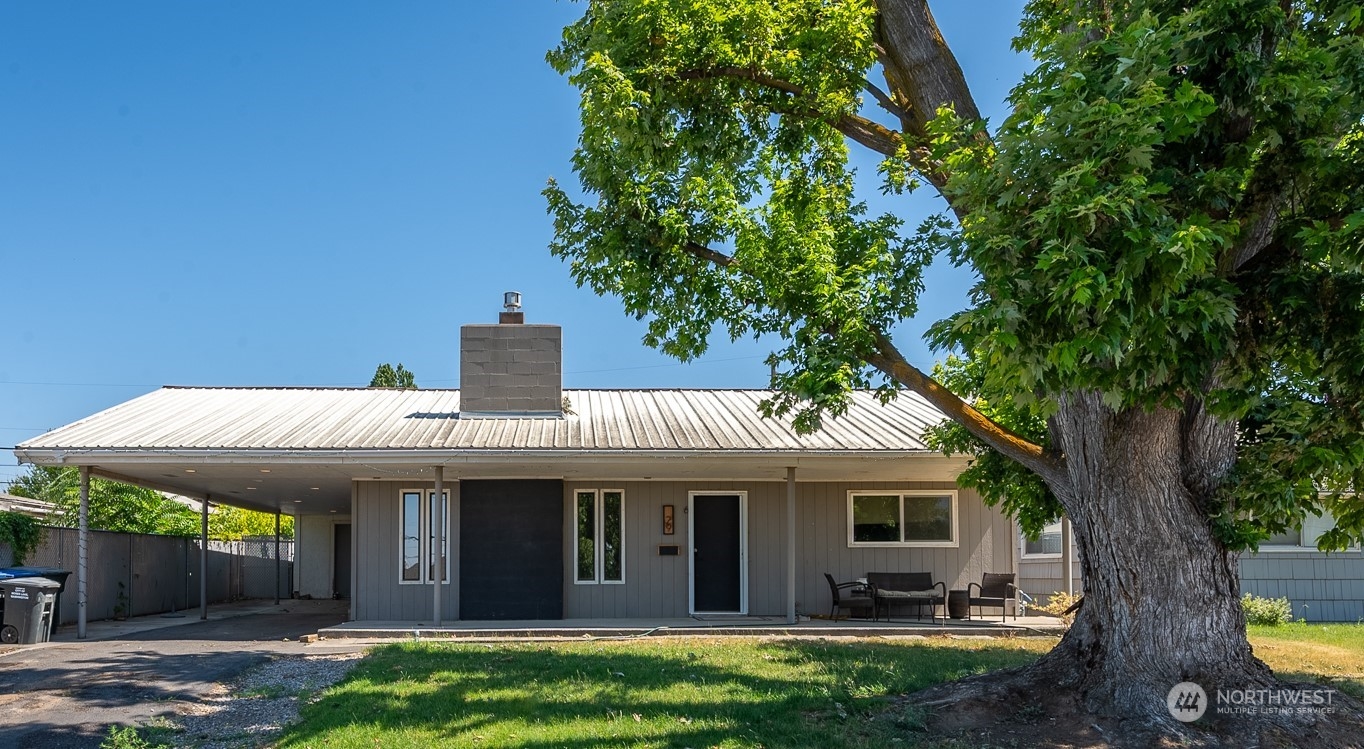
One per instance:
(656,586)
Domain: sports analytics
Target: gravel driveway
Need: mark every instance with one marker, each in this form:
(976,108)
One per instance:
(225,682)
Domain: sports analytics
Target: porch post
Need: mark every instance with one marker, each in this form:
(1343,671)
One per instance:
(82,546)
(203,558)
(1067,567)
(790,544)
(277,566)
(438,540)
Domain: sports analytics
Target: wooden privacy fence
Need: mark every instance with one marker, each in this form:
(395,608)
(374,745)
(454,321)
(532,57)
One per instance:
(134,574)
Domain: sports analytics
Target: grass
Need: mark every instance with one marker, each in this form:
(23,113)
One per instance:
(659,693)
(1329,654)
(734,692)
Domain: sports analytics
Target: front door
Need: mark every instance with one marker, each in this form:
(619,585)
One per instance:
(717,556)
(341,561)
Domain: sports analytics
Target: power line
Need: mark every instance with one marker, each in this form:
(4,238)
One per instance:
(76,384)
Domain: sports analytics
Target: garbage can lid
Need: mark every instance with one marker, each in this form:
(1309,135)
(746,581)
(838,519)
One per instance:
(29,582)
(31,571)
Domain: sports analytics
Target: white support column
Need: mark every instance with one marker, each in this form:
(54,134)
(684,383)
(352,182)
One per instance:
(277,564)
(1067,566)
(438,540)
(82,559)
(203,559)
(791,545)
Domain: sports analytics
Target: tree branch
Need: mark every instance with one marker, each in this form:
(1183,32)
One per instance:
(709,255)
(1259,234)
(1013,446)
(884,100)
(920,67)
(888,359)
(870,134)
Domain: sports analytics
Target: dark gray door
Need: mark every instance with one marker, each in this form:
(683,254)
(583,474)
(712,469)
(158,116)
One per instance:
(717,552)
(341,557)
(511,553)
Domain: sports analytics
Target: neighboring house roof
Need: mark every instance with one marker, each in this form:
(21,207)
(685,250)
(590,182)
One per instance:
(302,419)
(34,507)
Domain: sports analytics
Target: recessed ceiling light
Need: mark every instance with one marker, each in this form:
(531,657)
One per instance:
(250,488)
(189,470)
(298,501)
(314,488)
(333,510)
(265,470)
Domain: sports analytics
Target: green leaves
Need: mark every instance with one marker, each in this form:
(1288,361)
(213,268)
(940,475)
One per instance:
(1170,216)
(721,192)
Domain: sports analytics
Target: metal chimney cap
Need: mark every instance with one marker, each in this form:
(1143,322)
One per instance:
(511,301)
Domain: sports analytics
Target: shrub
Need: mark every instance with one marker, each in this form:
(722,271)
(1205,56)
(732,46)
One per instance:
(1057,605)
(1270,611)
(21,532)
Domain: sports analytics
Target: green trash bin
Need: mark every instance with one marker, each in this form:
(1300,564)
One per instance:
(29,604)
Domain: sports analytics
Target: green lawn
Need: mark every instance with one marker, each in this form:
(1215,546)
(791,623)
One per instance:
(659,693)
(1331,654)
(726,692)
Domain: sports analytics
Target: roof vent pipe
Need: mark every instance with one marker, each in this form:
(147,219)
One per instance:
(511,309)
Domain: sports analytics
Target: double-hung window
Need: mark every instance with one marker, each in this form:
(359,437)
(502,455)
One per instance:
(598,536)
(419,539)
(902,518)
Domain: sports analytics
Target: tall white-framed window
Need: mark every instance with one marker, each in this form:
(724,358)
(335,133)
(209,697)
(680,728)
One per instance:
(902,518)
(598,536)
(418,541)
(1047,545)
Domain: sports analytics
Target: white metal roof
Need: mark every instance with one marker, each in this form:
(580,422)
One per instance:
(327,419)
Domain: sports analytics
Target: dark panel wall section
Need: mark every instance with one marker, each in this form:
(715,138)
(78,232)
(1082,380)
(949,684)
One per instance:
(511,550)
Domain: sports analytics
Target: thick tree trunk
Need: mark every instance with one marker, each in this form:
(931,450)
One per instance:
(1162,594)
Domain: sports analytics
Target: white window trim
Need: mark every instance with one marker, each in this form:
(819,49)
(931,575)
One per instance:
(423,534)
(598,545)
(953,543)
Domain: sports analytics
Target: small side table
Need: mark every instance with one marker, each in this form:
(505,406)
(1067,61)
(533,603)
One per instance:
(959,604)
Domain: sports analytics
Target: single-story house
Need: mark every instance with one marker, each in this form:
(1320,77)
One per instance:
(35,508)
(556,504)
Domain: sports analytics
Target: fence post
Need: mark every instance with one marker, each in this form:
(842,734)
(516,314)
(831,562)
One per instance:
(82,571)
(277,563)
(203,559)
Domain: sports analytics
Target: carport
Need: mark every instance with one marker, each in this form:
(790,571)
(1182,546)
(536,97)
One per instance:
(277,488)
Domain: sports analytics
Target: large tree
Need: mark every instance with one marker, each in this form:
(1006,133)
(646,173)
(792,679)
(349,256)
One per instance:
(1166,338)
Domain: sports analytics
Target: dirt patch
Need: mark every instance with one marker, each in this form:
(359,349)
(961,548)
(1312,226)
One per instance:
(1058,721)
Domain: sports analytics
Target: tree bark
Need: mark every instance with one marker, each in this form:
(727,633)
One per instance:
(1162,594)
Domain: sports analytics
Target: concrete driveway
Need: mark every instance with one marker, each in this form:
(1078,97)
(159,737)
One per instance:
(67,693)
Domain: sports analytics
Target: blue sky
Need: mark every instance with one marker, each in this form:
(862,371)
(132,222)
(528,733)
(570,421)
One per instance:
(263,193)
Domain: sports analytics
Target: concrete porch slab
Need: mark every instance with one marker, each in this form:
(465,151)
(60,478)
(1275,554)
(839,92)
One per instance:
(708,626)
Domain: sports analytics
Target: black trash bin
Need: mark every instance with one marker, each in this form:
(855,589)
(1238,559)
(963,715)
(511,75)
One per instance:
(55,574)
(29,604)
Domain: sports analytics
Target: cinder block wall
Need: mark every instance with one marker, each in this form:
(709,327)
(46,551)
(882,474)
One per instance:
(511,369)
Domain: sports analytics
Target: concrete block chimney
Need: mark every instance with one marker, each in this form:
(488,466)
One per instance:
(511,370)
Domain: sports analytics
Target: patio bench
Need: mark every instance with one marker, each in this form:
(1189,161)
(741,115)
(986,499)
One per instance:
(908,589)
